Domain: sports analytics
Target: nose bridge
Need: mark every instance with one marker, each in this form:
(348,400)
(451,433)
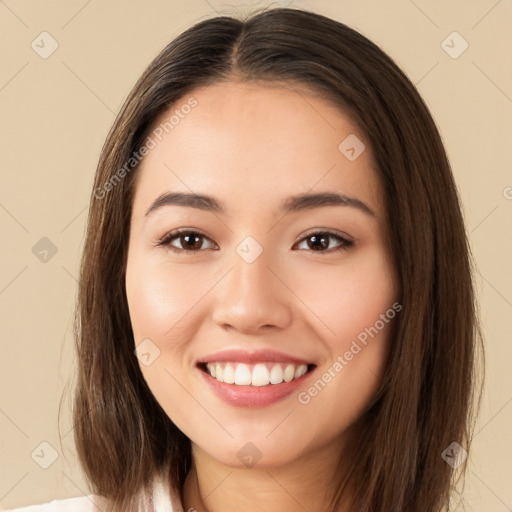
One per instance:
(252,295)
(251,272)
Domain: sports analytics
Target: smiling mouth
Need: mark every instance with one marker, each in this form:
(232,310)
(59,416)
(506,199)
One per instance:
(255,375)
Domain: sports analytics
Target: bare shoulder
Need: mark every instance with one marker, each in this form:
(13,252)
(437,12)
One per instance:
(91,503)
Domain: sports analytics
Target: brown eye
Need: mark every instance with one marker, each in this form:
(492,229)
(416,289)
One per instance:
(189,241)
(320,241)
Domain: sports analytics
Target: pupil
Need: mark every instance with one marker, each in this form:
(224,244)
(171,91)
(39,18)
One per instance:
(315,238)
(192,244)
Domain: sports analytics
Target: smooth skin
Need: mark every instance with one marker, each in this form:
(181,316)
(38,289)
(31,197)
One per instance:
(251,146)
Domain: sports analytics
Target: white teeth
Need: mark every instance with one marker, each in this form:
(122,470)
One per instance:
(262,374)
(300,371)
(242,375)
(289,372)
(276,374)
(229,374)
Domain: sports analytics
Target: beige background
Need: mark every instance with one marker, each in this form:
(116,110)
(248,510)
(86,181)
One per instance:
(55,114)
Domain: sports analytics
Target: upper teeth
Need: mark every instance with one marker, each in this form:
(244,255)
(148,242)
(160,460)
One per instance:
(262,374)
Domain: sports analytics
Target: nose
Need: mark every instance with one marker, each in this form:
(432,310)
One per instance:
(253,297)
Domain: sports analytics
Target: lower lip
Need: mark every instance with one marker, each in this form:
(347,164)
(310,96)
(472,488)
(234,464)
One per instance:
(253,396)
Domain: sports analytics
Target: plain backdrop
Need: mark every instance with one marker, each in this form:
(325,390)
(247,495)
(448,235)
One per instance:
(55,112)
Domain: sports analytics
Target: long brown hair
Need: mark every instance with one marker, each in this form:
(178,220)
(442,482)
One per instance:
(426,398)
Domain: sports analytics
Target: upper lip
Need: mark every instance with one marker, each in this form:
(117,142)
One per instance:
(252,356)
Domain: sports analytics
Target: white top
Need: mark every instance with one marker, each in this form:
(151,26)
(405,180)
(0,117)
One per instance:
(160,500)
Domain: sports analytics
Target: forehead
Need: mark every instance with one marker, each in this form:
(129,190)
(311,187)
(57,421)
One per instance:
(253,144)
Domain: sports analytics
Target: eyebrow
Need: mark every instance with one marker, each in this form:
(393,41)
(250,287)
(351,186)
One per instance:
(292,204)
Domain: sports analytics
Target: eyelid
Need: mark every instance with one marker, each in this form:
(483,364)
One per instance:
(329,231)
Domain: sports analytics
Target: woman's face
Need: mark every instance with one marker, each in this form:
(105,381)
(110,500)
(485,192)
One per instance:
(278,276)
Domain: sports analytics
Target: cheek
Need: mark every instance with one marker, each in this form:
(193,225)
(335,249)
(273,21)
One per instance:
(358,314)
(350,297)
(161,307)
(158,299)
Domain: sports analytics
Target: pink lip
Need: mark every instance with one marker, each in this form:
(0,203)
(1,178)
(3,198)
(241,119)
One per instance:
(256,356)
(252,396)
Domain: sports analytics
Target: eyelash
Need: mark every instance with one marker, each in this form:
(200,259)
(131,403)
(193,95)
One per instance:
(169,237)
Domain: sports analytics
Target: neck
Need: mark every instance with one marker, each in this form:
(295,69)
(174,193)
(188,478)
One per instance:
(307,484)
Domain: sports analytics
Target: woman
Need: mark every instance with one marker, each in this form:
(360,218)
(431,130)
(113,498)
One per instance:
(275,284)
